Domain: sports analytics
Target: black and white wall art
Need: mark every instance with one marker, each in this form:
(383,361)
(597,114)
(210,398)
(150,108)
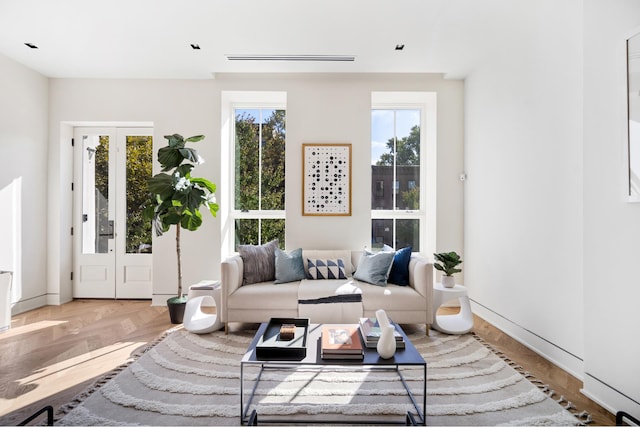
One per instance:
(326,179)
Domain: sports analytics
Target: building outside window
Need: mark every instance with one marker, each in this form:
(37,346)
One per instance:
(397,217)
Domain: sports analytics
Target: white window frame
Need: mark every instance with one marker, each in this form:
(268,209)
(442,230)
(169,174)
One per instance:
(426,103)
(231,101)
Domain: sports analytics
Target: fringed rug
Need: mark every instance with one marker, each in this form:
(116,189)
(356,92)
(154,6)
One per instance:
(187,379)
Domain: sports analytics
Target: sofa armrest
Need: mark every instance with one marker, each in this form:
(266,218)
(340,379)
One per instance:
(232,275)
(421,279)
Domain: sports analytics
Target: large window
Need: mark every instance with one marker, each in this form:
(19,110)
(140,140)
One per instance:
(401,168)
(259,175)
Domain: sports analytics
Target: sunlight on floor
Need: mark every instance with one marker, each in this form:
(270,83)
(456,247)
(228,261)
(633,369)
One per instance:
(15,331)
(70,372)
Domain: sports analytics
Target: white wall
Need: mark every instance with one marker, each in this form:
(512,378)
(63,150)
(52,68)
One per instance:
(611,226)
(320,108)
(186,107)
(523,195)
(23,182)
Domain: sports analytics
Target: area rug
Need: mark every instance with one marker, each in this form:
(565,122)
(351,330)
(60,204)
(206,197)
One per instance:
(187,379)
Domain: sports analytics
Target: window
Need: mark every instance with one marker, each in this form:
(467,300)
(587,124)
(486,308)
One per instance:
(259,175)
(252,168)
(399,150)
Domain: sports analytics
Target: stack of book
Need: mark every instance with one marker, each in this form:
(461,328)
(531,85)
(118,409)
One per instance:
(370,331)
(341,342)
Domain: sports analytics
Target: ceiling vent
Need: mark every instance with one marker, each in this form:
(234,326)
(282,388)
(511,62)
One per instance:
(312,58)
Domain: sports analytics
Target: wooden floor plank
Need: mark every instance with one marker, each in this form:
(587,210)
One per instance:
(53,353)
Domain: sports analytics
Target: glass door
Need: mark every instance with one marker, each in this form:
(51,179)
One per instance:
(112,243)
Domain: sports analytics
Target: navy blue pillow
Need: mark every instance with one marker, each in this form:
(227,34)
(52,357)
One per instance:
(399,274)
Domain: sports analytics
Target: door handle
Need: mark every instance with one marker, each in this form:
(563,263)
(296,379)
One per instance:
(110,229)
(109,233)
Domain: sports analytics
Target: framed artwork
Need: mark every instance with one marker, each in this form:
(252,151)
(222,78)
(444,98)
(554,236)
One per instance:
(326,179)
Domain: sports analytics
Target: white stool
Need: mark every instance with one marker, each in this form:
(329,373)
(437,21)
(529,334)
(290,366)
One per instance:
(207,293)
(206,287)
(196,321)
(459,323)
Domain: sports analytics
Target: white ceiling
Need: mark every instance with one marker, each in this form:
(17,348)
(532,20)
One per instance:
(151,38)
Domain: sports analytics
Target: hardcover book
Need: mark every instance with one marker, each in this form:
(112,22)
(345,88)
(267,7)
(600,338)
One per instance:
(370,331)
(341,340)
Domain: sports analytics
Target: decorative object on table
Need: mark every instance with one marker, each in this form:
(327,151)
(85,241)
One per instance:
(447,263)
(176,199)
(370,332)
(287,332)
(341,342)
(271,346)
(326,179)
(387,343)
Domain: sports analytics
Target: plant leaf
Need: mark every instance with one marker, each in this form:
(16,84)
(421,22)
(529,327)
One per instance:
(175,140)
(169,158)
(205,183)
(189,153)
(195,138)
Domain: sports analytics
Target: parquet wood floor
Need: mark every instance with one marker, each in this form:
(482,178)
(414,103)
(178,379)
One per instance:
(53,353)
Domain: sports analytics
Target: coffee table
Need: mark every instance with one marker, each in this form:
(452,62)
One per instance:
(409,356)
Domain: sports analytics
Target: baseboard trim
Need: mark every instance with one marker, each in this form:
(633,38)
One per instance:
(28,304)
(608,397)
(553,353)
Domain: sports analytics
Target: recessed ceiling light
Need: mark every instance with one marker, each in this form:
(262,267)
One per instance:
(31,45)
(399,46)
(195,46)
(330,58)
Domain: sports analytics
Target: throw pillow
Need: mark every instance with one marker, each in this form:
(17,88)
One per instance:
(289,266)
(374,268)
(259,262)
(399,274)
(320,269)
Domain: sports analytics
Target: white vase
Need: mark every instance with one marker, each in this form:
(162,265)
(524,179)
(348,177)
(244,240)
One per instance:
(381,317)
(448,281)
(387,343)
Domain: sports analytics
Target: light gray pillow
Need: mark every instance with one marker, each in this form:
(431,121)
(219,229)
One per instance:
(259,262)
(289,266)
(374,268)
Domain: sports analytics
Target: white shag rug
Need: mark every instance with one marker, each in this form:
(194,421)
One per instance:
(187,379)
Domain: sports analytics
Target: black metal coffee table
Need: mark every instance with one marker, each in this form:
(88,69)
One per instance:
(409,356)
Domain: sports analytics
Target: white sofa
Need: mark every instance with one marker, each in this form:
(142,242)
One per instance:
(329,300)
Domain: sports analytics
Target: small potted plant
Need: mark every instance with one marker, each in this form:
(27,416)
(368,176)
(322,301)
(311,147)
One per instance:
(176,198)
(447,263)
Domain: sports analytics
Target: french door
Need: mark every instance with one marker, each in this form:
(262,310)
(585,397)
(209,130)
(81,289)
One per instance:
(111,241)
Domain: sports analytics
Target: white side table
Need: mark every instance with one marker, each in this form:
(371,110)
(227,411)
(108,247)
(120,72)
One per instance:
(213,288)
(206,287)
(459,323)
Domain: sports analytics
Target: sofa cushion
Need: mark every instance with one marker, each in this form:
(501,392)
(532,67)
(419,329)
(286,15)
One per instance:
(259,262)
(399,274)
(265,296)
(322,269)
(289,266)
(374,268)
(344,255)
(391,298)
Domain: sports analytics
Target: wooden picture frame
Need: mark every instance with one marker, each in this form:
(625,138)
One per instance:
(326,179)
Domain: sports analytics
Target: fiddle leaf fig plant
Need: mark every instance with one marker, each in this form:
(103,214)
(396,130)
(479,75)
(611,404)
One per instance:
(175,195)
(447,263)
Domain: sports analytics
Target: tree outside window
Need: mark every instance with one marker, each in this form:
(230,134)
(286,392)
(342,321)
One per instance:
(259,176)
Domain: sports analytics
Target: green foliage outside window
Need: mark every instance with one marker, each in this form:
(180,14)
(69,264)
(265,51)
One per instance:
(259,174)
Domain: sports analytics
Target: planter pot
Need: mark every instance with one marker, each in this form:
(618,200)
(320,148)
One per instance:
(448,281)
(176,307)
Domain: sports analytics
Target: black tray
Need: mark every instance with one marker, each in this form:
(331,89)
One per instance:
(270,347)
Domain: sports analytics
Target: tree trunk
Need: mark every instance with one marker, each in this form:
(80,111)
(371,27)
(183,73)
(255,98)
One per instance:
(179,263)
